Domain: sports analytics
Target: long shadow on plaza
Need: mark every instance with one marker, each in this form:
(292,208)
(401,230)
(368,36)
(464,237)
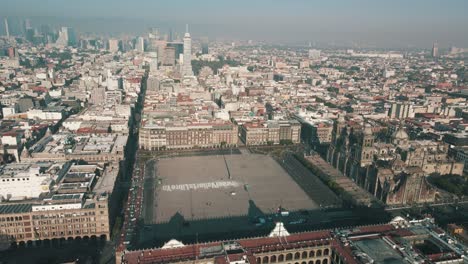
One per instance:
(55,251)
(254,224)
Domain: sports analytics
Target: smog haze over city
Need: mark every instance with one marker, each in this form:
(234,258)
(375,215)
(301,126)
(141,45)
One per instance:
(381,23)
(234,132)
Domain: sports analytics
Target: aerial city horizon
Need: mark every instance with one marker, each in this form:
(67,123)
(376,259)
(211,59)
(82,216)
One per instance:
(240,132)
(357,23)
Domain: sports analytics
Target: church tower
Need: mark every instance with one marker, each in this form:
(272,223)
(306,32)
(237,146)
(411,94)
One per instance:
(367,146)
(338,127)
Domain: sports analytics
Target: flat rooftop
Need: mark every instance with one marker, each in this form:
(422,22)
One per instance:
(379,251)
(15,208)
(204,187)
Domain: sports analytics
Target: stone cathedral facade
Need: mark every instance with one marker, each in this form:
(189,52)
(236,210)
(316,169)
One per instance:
(394,171)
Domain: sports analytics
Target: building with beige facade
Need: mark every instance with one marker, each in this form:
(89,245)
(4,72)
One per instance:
(271,132)
(76,205)
(183,136)
(63,217)
(93,148)
(353,245)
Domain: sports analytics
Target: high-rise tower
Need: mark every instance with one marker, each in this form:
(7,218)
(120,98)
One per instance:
(205,46)
(187,65)
(140,45)
(171,36)
(7,29)
(63,37)
(435,50)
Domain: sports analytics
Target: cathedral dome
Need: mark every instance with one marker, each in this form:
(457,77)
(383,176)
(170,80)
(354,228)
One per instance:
(400,134)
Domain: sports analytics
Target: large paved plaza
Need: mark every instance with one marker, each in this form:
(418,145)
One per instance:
(204,187)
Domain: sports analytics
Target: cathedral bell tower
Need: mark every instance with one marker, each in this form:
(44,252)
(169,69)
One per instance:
(367,146)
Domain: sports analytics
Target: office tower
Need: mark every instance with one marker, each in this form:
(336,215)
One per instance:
(126,45)
(30,34)
(25,25)
(204,46)
(435,50)
(154,33)
(113,45)
(171,36)
(205,49)
(169,56)
(7,30)
(153,61)
(314,54)
(71,36)
(62,39)
(187,66)
(140,45)
(83,44)
(12,53)
(66,37)
(178,46)
(158,46)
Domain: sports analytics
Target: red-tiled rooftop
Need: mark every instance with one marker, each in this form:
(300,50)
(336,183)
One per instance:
(344,252)
(253,245)
(373,229)
(403,232)
(294,238)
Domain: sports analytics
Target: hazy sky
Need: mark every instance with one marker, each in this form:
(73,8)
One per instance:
(382,22)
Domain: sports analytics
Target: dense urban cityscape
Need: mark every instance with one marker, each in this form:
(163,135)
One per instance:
(172,147)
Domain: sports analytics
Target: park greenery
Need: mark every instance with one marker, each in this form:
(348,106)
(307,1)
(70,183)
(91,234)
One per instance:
(197,65)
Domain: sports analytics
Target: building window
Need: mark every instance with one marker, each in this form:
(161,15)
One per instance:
(297,255)
(281,258)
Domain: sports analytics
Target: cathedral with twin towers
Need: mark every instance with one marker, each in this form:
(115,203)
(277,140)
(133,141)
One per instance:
(394,169)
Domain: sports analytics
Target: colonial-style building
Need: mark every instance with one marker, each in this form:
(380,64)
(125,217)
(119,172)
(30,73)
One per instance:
(338,246)
(271,132)
(203,135)
(278,247)
(393,171)
(62,217)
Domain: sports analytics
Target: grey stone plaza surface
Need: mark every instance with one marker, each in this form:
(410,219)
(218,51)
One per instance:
(204,187)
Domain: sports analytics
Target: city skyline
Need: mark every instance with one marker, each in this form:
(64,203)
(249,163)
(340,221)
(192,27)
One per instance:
(374,23)
(233,132)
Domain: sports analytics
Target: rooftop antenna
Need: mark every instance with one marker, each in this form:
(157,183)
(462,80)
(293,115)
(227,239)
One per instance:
(186,28)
